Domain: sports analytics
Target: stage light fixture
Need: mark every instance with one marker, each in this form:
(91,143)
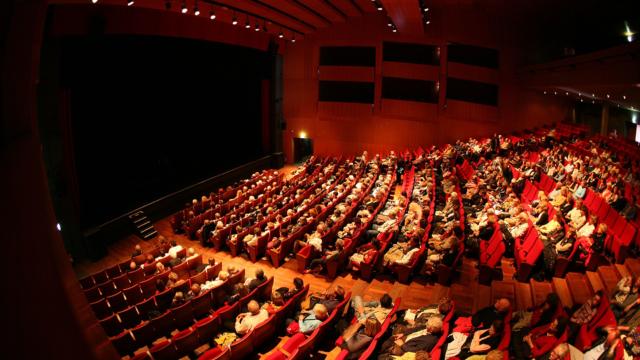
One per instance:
(234,22)
(212,15)
(428,22)
(607,96)
(184,8)
(394,30)
(555,93)
(280,35)
(257,27)
(247,24)
(196,10)
(426,9)
(544,92)
(130,2)
(567,93)
(379,8)
(94,1)
(624,97)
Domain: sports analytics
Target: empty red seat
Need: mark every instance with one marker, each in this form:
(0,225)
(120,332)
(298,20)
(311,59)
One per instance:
(121,281)
(144,334)
(129,317)
(164,299)
(93,294)
(124,343)
(146,306)
(182,316)
(207,329)
(100,278)
(185,342)
(133,294)
(101,308)
(113,271)
(201,305)
(117,301)
(164,351)
(87,282)
(148,287)
(107,289)
(136,275)
(111,325)
(163,324)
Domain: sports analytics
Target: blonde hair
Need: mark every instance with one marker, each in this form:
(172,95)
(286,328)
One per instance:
(320,311)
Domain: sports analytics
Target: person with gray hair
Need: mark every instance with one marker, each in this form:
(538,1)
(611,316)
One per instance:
(245,322)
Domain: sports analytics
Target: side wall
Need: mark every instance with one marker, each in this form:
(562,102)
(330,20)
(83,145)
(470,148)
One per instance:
(391,124)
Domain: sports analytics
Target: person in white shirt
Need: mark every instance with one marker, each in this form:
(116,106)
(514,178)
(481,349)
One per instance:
(175,248)
(587,229)
(222,276)
(245,322)
(577,219)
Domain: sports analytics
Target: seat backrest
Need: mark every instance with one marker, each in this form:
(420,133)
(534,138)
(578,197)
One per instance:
(182,315)
(163,324)
(111,325)
(185,342)
(164,351)
(129,317)
(124,343)
(144,334)
(207,328)
(241,348)
(121,281)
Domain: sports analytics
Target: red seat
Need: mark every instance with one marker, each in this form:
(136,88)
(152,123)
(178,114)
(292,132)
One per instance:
(142,356)
(107,289)
(148,287)
(117,301)
(87,282)
(146,306)
(113,271)
(217,353)
(133,294)
(129,317)
(111,325)
(182,270)
(101,308)
(182,316)
(136,275)
(93,294)
(207,328)
(201,305)
(263,332)
(589,333)
(164,351)
(241,348)
(100,278)
(124,343)
(164,299)
(200,278)
(185,342)
(144,334)
(163,324)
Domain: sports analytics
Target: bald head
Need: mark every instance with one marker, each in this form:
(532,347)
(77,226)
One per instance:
(253,307)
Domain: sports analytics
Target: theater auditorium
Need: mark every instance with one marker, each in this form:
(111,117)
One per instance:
(320,179)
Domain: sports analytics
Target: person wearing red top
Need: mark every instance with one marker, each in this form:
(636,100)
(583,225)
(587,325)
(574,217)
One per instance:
(540,340)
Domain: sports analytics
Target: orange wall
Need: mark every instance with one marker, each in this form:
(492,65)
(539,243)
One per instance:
(342,128)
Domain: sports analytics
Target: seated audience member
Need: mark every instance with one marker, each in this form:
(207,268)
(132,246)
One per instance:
(238,292)
(586,312)
(210,284)
(161,285)
(232,270)
(559,352)
(150,260)
(483,318)
(413,339)
(586,246)
(137,251)
(172,280)
(245,322)
(178,299)
(400,252)
(133,266)
(174,249)
(358,336)
(378,310)
(276,302)
(481,342)
(317,265)
(259,278)
(542,314)
(606,347)
(419,317)
(442,251)
(298,285)
(630,211)
(540,340)
(364,254)
(329,299)
(625,297)
(309,321)
(159,268)
(194,291)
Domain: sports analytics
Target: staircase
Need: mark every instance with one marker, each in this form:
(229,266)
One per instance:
(143,226)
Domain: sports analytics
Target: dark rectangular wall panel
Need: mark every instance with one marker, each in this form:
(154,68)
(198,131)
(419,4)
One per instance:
(348,56)
(473,55)
(409,90)
(410,53)
(346,91)
(472,91)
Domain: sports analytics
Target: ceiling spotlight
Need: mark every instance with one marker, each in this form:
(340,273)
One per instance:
(428,22)
(293,39)
(94,1)
(247,24)
(593,101)
(555,93)
(426,9)
(624,97)
(280,35)
(394,30)
(544,92)
(389,24)
(581,100)
(234,21)
(184,7)
(212,15)
(257,27)
(379,8)
(567,93)
(196,11)
(593,95)
(130,2)
(607,96)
